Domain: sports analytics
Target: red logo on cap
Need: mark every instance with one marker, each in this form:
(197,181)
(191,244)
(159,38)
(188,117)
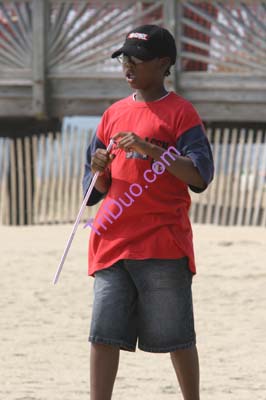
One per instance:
(136,35)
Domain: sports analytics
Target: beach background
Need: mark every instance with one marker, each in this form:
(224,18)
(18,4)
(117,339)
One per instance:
(55,62)
(44,328)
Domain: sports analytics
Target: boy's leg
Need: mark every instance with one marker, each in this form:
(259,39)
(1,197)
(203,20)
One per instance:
(104,360)
(113,326)
(186,365)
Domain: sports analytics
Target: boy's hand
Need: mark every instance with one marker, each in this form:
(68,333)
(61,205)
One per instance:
(100,160)
(129,141)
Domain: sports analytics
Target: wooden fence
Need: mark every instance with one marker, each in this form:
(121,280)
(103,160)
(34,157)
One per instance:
(237,195)
(40,178)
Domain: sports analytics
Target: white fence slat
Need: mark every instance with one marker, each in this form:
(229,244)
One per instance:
(237,179)
(223,177)
(229,178)
(74,185)
(261,187)
(253,178)
(2,177)
(35,179)
(215,183)
(20,171)
(4,201)
(244,179)
(13,182)
(210,189)
(43,183)
(59,212)
(193,209)
(66,196)
(52,179)
(28,180)
(47,181)
(224,173)
(263,203)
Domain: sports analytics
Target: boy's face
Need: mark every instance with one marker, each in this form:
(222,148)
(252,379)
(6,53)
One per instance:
(144,75)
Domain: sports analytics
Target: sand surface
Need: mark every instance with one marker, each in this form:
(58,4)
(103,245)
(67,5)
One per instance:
(44,328)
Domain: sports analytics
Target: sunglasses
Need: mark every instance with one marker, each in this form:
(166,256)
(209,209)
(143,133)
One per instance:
(124,59)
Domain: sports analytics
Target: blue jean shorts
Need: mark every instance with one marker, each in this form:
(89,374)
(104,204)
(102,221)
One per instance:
(149,301)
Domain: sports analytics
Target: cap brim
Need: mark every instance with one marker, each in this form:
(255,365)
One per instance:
(135,51)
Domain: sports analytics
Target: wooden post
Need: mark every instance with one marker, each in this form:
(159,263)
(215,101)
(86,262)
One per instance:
(172,12)
(39,20)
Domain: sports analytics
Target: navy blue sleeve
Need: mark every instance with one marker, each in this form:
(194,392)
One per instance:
(195,145)
(95,196)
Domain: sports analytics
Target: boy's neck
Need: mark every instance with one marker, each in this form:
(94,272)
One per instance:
(151,94)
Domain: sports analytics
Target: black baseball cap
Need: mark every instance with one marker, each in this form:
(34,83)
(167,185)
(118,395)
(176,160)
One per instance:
(147,42)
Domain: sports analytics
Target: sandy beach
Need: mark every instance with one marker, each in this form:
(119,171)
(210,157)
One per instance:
(44,328)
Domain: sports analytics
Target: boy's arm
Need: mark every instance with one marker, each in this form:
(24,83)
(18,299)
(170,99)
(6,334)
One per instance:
(194,166)
(195,145)
(103,181)
(182,167)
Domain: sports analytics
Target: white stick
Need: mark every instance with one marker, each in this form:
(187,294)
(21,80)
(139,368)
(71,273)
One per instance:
(82,208)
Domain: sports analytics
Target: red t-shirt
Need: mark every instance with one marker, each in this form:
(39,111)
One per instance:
(140,218)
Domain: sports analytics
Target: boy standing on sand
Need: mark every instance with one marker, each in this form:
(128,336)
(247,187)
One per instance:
(143,261)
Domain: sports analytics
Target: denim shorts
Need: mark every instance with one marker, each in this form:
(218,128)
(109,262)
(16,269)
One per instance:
(149,301)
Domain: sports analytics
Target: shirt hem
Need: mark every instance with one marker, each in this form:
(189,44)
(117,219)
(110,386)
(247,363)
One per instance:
(131,256)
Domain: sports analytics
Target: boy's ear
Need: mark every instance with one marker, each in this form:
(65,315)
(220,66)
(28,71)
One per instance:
(165,63)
